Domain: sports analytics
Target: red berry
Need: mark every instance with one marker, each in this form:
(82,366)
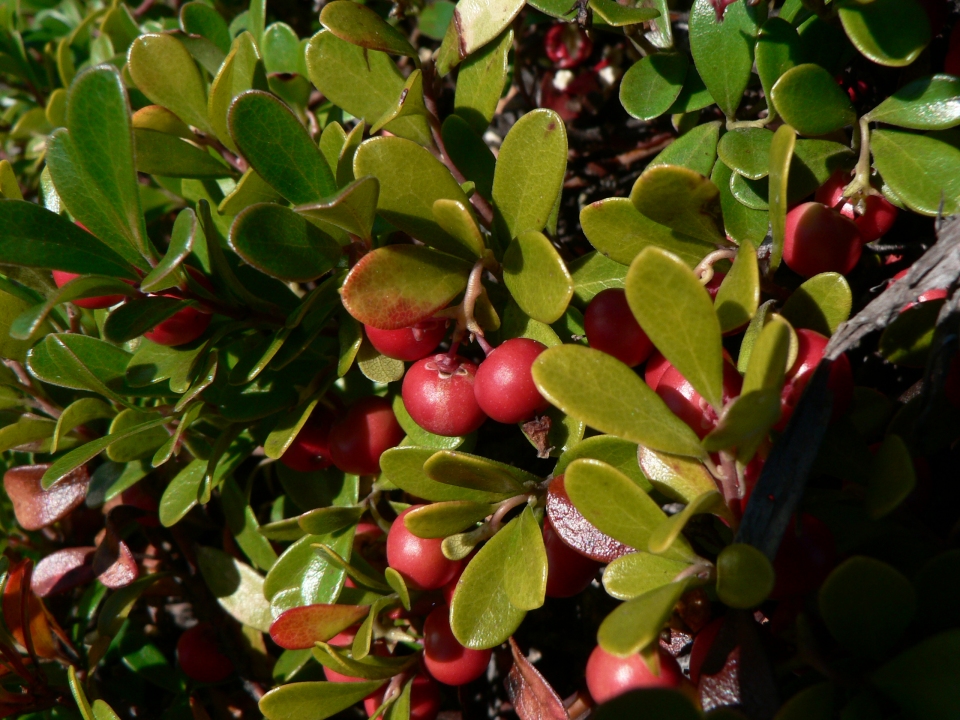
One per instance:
(310,449)
(568,572)
(701,646)
(419,560)
(445,658)
(410,343)
(612,328)
(687,404)
(200,656)
(424,699)
(657,365)
(61,278)
(609,676)
(438,394)
(810,349)
(363,434)
(806,556)
(504,385)
(879,213)
(567,45)
(819,239)
(185,326)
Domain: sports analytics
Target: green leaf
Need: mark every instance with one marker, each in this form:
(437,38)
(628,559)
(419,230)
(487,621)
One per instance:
(28,323)
(908,339)
(477,473)
(279,148)
(747,150)
(303,576)
(372,667)
(867,606)
(745,423)
(695,149)
(537,277)
(745,576)
(181,494)
(481,614)
(666,533)
(457,220)
(617,15)
(480,83)
(101,194)
(397,286)
(138,446)
(442,519)
(164,71)
(920,678)
(361,26)
(686,330)
(621,454)
(525,566)
(891,477)
(530,170)
(377,367)
(739,295)
(410,104)
(237,587)
(681,199)
(821,303)
(921,169)
(723,51)
(814,161)
(475,23)
(403,466)
(165,274)
(434,19)
(241,71)
(198,18)
(781,156)
(282,50)
(618,230)
(617,506)
(314,700)
(742,224)
(170,156)
(469,154)
(768,357)
(353,209)
(679,478)
(282,243)
(650,87)
(26,430)
(752,194)
(365,83)
(778,49)
(78,413)
(638,622)
(809,99)
(607,395)
(930,103)
(135,317)
(888,32)
(324,521)
(638,573)
(411,181)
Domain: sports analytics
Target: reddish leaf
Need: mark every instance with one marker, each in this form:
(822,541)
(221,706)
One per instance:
(530,693)
(23,613)
(113,563)
(299,628)
(576,531)
(720,6)
(63,571)
(35,507)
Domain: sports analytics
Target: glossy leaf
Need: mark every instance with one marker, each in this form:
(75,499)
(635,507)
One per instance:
(280,148)
(781,155)
(314,700)
(411,181)
(739,295)
(650,87)
(169,156)
(237,587)
(76,414)
(530,169)
(607,395)
(888,32)
(769,357)
(301,627)
(696,149)
(578,532)
(165,274)
(476,23)
(241,71)
(679,478)
(537,277)
(732,40)
(891,477)
(681,199)
(930,103)
(29,322)
(399,285)
(814,161)
(753,194)
(778,49)
(686,330)
(821,303)
(921,169)
(137,316)
(637,623)
(198,18)
(638,573)
(742,224)
(617,15)
(138,446)
(353,209)
(621,454)
(403,466)
(809,99)
(361,26)
(302,576)
(36,506)
(457,220)
(747,150)
(525,566)
(476,473)
(694,94)
(481,614)
(618,230)
(442,519)
(480,82)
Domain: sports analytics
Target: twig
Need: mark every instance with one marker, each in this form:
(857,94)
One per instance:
(28,387)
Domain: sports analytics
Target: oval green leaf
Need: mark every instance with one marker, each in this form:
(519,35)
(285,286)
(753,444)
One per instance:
(638,622)
(739,295)
(650,87)
(921,169)
(821,303)
(747,150)
(359,25)
(537,277)
(930,103)
(809,99)
(681,199)
(888,32)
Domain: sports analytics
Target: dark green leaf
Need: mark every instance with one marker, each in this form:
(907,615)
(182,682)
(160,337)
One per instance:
(241,71)
(930,103)
(891,477)
(778,49)
(741,224)
(922,170)
(744,576)
(170,156)
(809,99)
(888,32)
(695,149)
(135,317)
(920,679)
(650,87)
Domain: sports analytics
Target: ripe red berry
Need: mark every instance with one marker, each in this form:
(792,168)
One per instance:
(310,450)
(687,404)
(819,239)
(657,365)
(879,213)
(410,343)
(609,676)
(363,434)
(810,347)
(504,385)
(200,656)
(424,699)
(445,658)
(438,394)
(612,328)
(567,45)
(61,278)
(185,326)
(419,560)
(568,572)
(806,556)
